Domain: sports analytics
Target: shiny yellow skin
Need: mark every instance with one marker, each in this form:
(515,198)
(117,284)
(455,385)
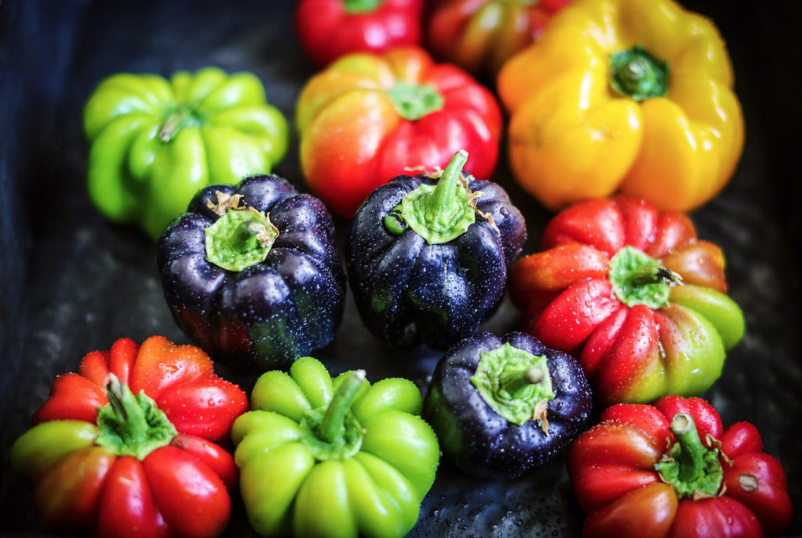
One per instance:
(572,137)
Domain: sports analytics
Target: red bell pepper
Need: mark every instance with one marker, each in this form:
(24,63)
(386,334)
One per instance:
(368,118)
(480,35)
(328,29)
(125,447)
(635,295)
(668,471)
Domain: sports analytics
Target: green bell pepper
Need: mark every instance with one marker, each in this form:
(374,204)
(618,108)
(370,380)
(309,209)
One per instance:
(333,458)
(155,143)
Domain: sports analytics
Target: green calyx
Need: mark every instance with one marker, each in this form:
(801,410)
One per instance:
(640,279)
(691,468)
(438,213)
(353,7)
(638,75)
(175,120)
(332,431)
(132,425)
(241,237)
(413,102)
(514,383)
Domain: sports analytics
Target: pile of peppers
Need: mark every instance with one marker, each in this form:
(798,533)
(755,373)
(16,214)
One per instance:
(622,116)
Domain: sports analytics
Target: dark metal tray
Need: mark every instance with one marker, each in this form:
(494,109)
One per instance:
(72,282)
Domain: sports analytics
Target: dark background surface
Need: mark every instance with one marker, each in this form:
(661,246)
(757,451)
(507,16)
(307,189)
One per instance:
(71,282)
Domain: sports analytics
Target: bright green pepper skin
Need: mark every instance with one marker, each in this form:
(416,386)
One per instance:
(155,143)
(374,492)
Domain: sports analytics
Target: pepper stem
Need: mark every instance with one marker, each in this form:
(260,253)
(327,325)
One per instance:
(693,469)
(176,120)
(361,6)
(638,75)
(413,102)
(438,213)
(332,425)
(640,279)
(239,238)
(132,425)
(513,379)
(440,205)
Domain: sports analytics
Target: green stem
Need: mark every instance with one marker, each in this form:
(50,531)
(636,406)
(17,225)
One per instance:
(239,238)
(443,202)
(691,456)
(640,279)
(176,120)
(638,75)
(513,379)
(132,425)
(332,425)
(412,102)
(361,6)
(690,467)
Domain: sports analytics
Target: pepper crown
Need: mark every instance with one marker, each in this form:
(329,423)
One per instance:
(438,213)
(353,7)
(514,384)
(332,431)
(691,468)
(241,237)
(412,102)
(175,120)
(636,74)
(132,425)
(640,279)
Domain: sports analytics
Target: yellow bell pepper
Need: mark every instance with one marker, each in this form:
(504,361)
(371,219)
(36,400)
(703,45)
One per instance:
(633,96)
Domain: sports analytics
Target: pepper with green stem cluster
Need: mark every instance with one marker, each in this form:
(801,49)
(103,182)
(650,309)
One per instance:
(501,406)
(251,274)
(427,259)
(333,458)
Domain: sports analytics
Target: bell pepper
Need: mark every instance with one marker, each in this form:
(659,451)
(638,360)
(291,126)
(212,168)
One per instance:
(126,446)
(480,35)
(329,29)
(501,406)
(427,259)
(634,294)
(155,142)
(671,470)
(633,96)
(333,458)
(251,274)
(368,118)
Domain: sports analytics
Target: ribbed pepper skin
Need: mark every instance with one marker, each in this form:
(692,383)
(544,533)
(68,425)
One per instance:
(409,292)
(481,442)
(271,313)
(154,142)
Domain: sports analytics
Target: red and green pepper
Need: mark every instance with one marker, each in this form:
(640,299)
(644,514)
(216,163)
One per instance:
(126,447)
(635,295)
(671,470)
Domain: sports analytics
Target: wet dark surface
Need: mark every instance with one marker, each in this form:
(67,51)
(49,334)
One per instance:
(72,282)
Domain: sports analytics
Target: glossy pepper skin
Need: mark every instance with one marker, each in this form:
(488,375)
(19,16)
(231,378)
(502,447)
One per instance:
(156,142)
(621,474)
(333,458)
(481,441)
(634,294)
(633,96)
(411,288)
(329,29)
(368,118)
(480,35)
(108,463)
(259,298)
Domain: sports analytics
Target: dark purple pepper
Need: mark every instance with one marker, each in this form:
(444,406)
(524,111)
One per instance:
(409,291)
(262,314)
(476,437)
